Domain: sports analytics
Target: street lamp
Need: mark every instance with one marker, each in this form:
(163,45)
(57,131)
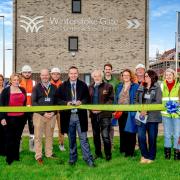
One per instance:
(3,46)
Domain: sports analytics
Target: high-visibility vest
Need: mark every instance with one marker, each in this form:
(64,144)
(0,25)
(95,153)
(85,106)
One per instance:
(167,96)
(57,83)
(28,85)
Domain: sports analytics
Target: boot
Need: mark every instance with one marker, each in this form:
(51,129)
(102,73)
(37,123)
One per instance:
(167,153)
(176,154)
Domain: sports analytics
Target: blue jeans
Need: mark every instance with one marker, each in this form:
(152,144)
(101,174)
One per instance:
(148,152)
(74,125)
(171,129)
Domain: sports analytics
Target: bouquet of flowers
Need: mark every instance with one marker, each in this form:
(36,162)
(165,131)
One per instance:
(173,107)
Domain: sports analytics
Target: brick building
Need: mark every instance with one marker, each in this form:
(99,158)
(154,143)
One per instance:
(164,61)
(85,33)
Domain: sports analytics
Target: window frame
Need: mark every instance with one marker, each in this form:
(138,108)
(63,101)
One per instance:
(69,45)
(72,10)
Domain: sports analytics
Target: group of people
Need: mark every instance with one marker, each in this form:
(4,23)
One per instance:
(141,87)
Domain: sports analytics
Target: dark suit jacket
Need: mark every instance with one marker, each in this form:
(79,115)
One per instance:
(63,95)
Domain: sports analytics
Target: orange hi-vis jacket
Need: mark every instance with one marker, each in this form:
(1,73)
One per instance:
(57,83)
(28,85)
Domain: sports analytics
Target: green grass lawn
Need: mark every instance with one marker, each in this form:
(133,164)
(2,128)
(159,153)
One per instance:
(118,168)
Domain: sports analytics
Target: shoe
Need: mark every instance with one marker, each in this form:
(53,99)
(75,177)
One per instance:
(72,163)
(17,159)
(40,161)
(98,156)
(143,160)
(31,144)
(61,147)
(2,153)
(52,157)
(167,153)
(108,158)
(128,155)
(121,150)
(136,146)
(9,161)
(176,154)
(149,161)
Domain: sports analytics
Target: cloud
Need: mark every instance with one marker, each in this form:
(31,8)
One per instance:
(6,7)
(159,45)
(8,3)
(165,9)
(153,48)
(8,23)
(6,10)
(8,43)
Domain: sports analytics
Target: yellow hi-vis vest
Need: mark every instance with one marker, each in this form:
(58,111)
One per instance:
(167,96)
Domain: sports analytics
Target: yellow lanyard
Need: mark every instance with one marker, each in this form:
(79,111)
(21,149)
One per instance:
(46,91)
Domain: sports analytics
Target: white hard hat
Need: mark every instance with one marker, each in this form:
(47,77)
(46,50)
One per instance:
(140,66)
(55,70)
(26,68)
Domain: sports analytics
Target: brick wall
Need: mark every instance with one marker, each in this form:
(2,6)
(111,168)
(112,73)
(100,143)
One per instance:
(107,40)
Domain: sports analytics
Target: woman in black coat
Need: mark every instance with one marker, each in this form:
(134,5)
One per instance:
(2,146)
(13,122)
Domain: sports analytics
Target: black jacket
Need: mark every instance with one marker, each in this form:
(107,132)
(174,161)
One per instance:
(63,95)
(5,97)
(38,96)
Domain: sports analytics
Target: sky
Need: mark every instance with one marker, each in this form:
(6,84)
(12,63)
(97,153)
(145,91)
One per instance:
(162,28)
(162,25)
(6,10)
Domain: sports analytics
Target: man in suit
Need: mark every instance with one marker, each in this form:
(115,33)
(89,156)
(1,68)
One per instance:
(75,92)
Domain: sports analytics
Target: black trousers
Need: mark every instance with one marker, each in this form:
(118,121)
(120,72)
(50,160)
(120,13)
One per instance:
(2,141)
(29,117)
(101,126)
(127,139)
(13,132)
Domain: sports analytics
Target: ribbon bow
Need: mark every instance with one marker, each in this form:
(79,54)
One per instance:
(172,107)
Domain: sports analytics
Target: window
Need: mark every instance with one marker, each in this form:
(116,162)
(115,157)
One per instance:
(76,6)
(73,43)
(87,79)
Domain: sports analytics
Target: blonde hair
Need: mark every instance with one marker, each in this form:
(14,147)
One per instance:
(172,71)
(97,71)
(13,76)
